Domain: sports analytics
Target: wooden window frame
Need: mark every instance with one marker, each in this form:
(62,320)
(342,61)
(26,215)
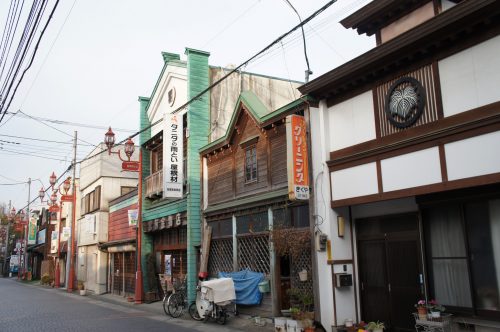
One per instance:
(253,166)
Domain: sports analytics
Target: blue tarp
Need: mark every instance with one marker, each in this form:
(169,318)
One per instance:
(246,285)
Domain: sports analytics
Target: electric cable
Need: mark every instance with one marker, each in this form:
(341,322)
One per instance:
(31,61)
(223,78)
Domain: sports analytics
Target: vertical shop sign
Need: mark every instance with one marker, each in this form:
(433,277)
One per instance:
(173,162)
(297,158)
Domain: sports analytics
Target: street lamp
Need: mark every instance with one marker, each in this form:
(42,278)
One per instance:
(12,213)
(52,180)
(109,140)
(132,166)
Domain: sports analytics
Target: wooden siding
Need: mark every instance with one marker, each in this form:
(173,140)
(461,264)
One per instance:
(226,168)
(425,75)
(250,130)
(118,228)
(279,176)
(220,182)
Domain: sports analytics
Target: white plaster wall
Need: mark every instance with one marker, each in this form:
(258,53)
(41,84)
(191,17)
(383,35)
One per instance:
(352,122)
(411,170)
(354,181)
(470,78)
(104,164)
(473,156)
(325,219)
(174,75)
(85,227)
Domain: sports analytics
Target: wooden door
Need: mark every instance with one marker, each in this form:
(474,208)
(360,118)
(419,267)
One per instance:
(390,269)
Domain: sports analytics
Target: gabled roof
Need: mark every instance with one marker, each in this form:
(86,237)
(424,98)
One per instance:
(258,111)
(379,13)
(448,32)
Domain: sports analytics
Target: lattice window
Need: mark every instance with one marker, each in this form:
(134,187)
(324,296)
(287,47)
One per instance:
(253,253)
(221,256)
(297,265)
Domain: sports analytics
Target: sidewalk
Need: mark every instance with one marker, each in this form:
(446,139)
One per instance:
(234,323)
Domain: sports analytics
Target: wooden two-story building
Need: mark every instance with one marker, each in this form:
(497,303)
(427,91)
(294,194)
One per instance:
(246,197)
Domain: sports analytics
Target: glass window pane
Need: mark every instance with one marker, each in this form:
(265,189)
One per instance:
(451,282)
(483,222)
(445,231)
(252,223)
(226,227)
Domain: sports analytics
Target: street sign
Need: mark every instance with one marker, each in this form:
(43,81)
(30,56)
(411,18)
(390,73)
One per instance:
(67,198)
(54,208)
(130,166)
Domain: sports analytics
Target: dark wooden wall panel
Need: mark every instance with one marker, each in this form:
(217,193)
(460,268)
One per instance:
(220,181)
(278,160)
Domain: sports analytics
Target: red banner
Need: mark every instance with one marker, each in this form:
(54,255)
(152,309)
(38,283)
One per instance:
(67,198)
(130,166)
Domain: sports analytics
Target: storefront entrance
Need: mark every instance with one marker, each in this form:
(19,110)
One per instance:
(390,269)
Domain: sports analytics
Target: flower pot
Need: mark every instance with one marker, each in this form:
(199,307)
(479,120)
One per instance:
(83,292)
(435,314)
(303,275)
(264,286)
(422,313)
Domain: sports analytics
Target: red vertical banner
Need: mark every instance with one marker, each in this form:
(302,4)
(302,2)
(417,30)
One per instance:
(297,158)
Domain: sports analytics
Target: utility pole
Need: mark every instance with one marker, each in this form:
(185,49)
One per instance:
(71,256)
(26,230)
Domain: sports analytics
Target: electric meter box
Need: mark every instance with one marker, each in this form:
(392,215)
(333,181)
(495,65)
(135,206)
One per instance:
(343,279)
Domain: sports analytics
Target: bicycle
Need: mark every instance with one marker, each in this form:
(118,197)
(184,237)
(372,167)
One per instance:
(177,302)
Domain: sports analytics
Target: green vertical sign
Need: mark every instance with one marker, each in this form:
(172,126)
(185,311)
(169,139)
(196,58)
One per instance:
(32,231)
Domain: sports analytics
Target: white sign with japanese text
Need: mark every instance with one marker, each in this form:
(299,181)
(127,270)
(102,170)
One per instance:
(173,163)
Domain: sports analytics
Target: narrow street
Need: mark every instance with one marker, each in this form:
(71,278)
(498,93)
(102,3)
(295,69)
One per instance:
(30,307)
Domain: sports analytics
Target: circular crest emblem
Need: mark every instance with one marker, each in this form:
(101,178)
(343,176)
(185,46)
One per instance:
(405,102)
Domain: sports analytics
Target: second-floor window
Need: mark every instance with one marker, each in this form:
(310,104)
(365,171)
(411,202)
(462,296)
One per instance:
(91,201)
(157,159)
(251,164)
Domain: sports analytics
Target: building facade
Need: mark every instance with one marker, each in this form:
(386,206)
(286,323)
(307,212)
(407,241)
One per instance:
(101,180)
(121,245)
(172,220)
(406,167)
(247,208)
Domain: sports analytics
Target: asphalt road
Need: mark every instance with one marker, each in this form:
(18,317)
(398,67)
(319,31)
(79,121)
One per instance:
(25,307)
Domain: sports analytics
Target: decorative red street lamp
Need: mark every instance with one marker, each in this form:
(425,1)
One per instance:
(13,213)
(22,215)
(109,139)
(52,180)
(67,185)
(132,166)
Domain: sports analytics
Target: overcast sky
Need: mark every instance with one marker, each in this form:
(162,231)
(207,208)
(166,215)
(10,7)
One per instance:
(98,56)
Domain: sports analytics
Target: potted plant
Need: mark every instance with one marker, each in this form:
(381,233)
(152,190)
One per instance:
(421,309)
(307,325)
(375,326)
(81,287)
(435,308)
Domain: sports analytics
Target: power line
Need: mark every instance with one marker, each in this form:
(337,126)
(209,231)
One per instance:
(223,78)
(42,140)
(67,123)
(48,53)
(31,61)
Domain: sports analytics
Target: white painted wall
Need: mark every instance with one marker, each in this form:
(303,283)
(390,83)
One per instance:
(473,156)
(354,181)
(93,228)
(471,78)
(352,122)
(325,219)
(173,76)
(411,170)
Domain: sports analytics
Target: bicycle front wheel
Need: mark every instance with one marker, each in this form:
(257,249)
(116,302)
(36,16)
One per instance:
(175,304)
(193,312)
(165,305)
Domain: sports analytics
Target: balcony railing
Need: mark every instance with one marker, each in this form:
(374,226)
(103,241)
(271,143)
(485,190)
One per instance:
(154,185)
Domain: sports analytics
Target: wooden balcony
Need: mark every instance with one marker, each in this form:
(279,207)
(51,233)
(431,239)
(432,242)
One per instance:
(154,185)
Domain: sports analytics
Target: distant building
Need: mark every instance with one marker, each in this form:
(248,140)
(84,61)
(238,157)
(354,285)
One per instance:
(101,180)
